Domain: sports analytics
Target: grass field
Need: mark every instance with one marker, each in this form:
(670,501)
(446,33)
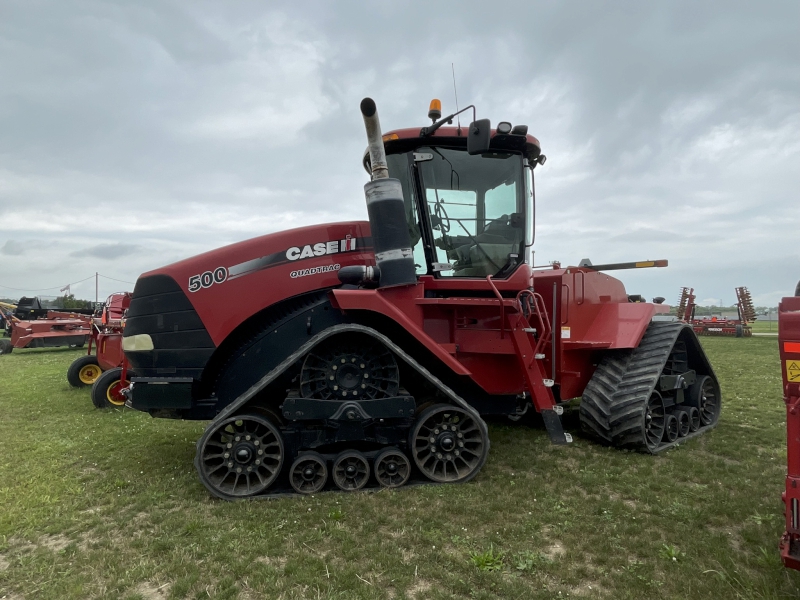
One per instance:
(106,504)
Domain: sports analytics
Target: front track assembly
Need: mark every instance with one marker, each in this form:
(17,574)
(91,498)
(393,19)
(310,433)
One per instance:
(349,424)
(655,396)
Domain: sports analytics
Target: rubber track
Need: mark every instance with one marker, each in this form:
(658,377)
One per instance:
(612,406)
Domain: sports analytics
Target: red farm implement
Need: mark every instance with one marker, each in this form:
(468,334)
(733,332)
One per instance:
(57,329)
(107,369)
(719,325)
(367,353)
(789,344)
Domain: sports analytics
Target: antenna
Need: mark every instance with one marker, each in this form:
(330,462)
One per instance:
(455,92)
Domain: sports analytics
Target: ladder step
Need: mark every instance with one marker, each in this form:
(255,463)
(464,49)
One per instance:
(554,429)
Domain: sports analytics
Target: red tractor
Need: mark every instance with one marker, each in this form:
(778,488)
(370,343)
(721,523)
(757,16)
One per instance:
(789,344)
(366,353)
(106,370)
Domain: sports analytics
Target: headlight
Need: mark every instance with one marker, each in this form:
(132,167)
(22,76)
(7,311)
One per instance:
(137,343)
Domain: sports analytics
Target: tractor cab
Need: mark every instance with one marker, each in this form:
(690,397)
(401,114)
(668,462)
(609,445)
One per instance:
(469,206)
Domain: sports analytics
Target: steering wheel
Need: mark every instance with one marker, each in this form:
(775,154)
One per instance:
(441,214)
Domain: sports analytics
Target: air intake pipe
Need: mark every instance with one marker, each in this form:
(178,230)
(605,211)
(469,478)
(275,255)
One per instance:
(386,209)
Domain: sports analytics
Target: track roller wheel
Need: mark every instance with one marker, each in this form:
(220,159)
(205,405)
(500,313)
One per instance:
(83,371)
(654,421)
(704,395)
(350,471)
(107,389)
(392,468)
(308,473)
(671,428)
(448,444)
(694,419)
(240,456)
(684,424)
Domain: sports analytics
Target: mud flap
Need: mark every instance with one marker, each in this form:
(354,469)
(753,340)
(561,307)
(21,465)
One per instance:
(552,423)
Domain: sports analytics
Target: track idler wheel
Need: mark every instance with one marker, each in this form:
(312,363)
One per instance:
(671,428)
(308,473)
(655,416)
(448,445)
(392,468)
(350,471)
(704,395)
(240,456)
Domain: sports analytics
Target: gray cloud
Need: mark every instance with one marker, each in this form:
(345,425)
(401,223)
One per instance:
(671,129)
(12,248)
(107,251)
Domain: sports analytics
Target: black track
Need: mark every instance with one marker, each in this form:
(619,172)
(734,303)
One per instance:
(613,404)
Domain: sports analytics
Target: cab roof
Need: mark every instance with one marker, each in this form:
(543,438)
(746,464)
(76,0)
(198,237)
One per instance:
(405,140)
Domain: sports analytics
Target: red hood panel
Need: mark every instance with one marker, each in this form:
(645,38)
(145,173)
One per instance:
(228,285)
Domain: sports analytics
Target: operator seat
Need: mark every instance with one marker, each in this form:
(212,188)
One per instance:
(500,237)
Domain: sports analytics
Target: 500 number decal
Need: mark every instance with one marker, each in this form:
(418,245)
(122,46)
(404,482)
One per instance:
(207,279)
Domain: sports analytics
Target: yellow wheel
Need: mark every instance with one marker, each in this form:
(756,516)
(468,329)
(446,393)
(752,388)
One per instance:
(107,389)
(89,374)
(83,371)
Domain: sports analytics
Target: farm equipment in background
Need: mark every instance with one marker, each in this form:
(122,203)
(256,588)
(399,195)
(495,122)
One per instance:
(6,310)
(719,326)
(107,369)
(365,354)
(789,345)
(36,307)
(58,329)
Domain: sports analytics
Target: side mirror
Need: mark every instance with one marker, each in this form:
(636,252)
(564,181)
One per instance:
(479,136)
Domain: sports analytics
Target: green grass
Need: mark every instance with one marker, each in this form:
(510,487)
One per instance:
(106,504)
(764,327)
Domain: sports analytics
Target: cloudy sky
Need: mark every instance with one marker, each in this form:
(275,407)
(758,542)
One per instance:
(136,134)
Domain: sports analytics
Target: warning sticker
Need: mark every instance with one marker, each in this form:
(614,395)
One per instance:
(793,370)
(565,333)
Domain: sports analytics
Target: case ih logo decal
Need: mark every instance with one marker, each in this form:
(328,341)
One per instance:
(322,248)
(295,253)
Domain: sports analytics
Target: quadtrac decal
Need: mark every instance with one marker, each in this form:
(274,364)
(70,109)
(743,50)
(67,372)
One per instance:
(314,271)
(293,254)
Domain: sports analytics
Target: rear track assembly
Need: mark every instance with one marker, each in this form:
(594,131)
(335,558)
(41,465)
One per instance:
(637,398)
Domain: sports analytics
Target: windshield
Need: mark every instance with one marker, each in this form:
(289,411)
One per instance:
(476,208)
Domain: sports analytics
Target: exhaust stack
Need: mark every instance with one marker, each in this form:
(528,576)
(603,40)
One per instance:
(386,208)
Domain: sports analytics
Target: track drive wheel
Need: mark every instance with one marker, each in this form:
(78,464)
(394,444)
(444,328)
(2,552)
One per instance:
(308,473)
(392,468)
(704,395)
(240,456)
(350,471)
(448,445)
(83,371)
(655,417)
(106,389)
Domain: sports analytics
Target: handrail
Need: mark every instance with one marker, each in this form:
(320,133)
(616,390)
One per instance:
(502,306)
